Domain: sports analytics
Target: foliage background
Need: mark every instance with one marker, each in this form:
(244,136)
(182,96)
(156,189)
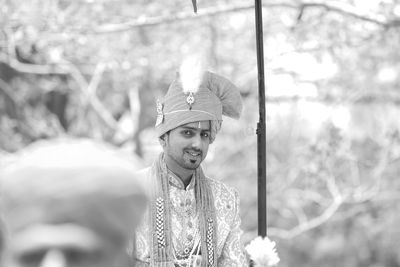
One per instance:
(92,68)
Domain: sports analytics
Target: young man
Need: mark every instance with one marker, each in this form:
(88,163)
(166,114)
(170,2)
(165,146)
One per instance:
(69,204)
(192,220)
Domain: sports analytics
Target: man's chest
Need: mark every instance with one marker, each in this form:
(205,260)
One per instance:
(185,222)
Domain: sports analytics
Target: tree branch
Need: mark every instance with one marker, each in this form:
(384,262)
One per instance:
(96,78)
(88,89)
(170,18)
(359,100)
(64,68)
(32,68)
(308,225)
(350,10)
(334,6)
(8,91)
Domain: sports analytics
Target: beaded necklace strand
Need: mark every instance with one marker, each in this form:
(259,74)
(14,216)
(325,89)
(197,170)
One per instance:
(162,247)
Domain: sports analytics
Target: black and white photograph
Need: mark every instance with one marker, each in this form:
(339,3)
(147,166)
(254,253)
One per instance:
(199,133)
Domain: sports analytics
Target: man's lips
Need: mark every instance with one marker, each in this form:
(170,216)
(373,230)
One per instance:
(193,153)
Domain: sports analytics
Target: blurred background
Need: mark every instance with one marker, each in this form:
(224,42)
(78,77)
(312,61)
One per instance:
(93,68)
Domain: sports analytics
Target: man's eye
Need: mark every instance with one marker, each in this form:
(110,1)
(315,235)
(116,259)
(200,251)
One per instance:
(205,134)
(188,133)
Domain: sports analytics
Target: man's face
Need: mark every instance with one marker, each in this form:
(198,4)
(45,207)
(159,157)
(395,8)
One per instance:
(64,245)
(187,145)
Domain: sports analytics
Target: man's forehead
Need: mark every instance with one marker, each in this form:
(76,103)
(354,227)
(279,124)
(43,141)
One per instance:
(203,125)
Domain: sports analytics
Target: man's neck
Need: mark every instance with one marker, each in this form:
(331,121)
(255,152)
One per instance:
(183,174)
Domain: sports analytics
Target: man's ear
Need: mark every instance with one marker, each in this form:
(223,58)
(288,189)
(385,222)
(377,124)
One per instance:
(162,140)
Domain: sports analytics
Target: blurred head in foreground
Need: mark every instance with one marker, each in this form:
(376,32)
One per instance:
(69,203)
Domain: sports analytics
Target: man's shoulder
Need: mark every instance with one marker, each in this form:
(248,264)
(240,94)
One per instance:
(221,189)
(226,201)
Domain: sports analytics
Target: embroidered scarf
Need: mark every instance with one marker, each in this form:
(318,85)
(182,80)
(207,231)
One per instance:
(162,254)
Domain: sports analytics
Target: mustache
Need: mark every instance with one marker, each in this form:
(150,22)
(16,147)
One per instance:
(194,150)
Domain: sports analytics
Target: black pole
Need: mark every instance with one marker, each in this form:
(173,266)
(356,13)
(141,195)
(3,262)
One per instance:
(261,127)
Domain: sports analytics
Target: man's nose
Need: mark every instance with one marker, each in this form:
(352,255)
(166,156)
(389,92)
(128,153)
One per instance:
(54,258)
(196,141)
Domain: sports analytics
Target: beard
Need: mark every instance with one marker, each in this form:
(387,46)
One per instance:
(191,159)
(188,159)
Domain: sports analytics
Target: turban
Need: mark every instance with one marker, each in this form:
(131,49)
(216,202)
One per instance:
(211,98)
(72,181)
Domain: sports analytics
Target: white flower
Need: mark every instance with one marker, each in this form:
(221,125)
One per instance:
(263,252)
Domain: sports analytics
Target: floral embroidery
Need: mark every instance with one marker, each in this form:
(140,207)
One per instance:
(185,228)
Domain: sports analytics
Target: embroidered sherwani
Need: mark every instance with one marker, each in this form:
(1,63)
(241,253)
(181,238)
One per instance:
(185,223)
